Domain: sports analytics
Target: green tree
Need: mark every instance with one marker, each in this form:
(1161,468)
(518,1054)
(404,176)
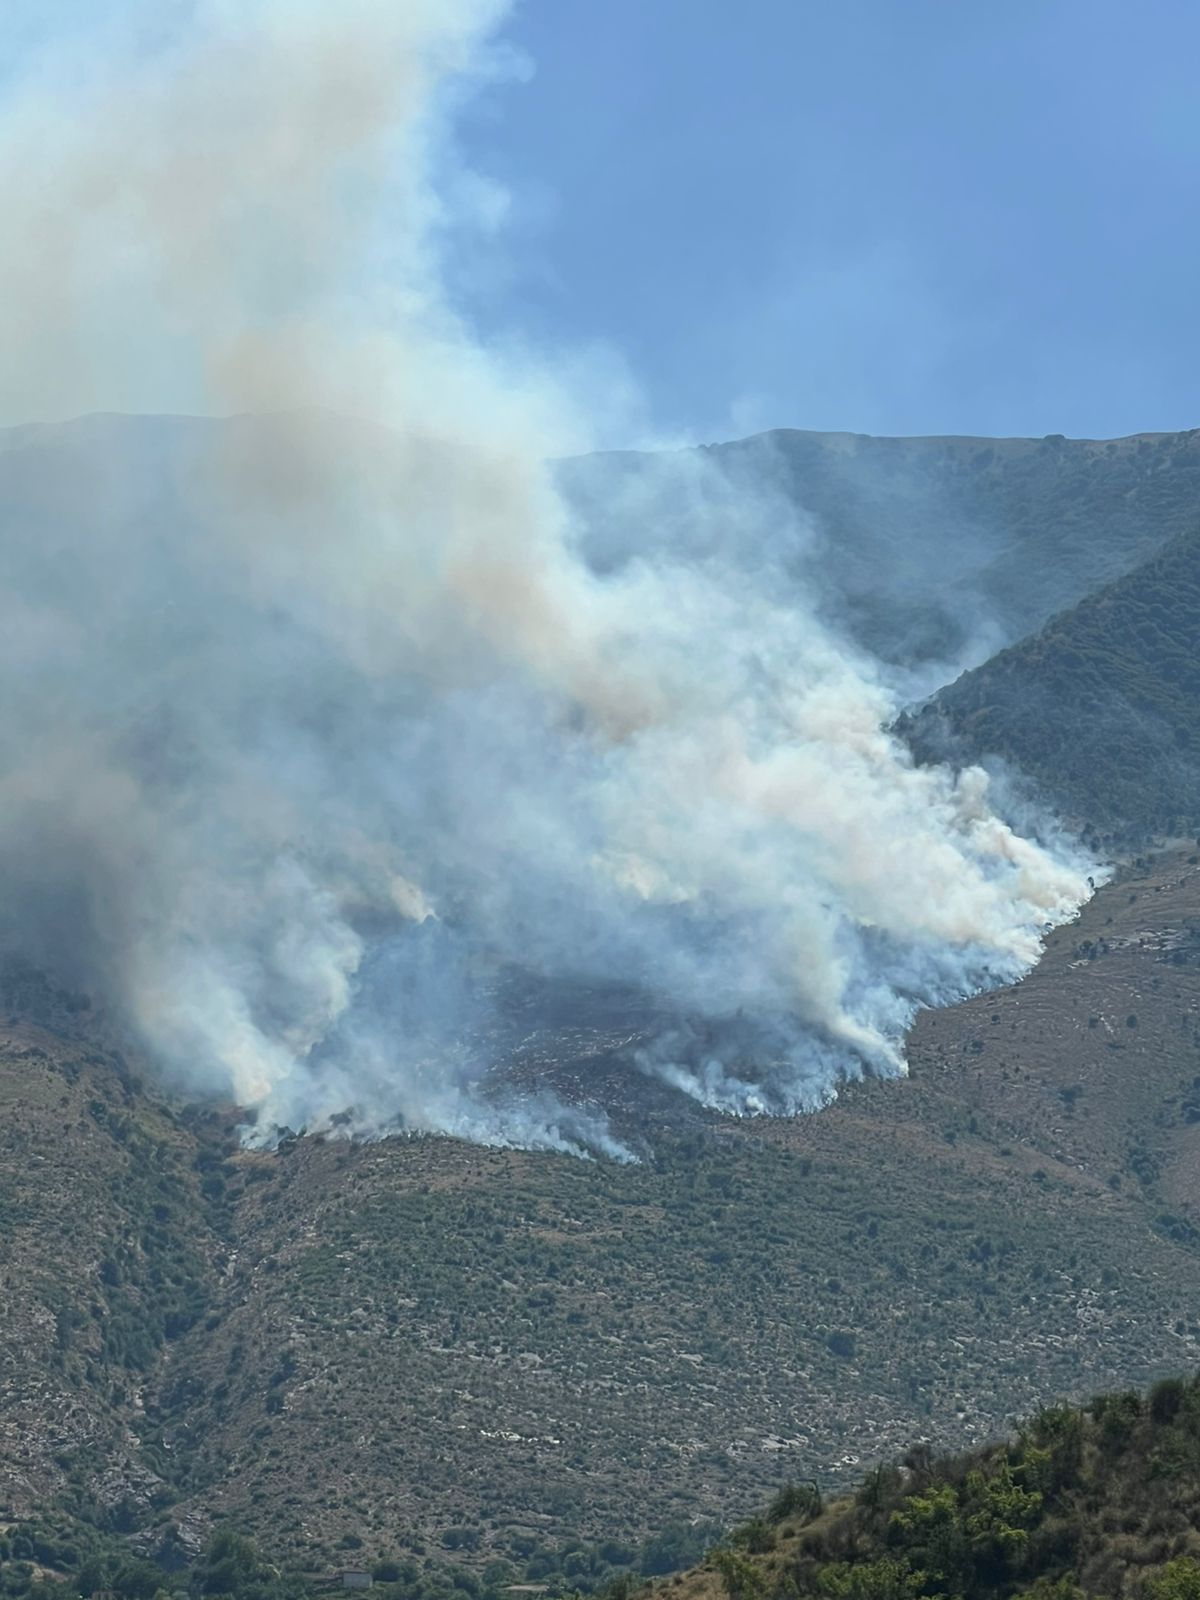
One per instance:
(743,1578)
(1178,1580)
(930,1531)
(871,1580)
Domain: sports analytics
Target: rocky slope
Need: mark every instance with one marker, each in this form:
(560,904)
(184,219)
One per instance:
(421,1344)
(1093,1500)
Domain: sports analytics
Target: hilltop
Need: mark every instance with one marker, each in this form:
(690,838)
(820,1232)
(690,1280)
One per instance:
(1100,708)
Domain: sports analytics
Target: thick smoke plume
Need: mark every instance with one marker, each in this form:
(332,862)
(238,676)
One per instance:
(320,734)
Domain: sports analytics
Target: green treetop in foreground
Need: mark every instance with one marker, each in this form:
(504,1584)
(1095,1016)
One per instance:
(1098,1500)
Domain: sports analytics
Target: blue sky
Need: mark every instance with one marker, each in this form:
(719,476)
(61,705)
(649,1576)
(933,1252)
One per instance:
(890,216)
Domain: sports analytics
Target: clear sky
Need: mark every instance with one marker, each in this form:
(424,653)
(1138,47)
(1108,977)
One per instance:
(890,216)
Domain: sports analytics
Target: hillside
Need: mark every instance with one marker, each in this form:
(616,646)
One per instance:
(110,1240)
(428,1351)
(1096,1500)
(432,1349)
(1100,708)
(928,550)
(1101,1499)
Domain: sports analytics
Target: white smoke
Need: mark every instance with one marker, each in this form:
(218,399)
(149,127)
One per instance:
(317,730)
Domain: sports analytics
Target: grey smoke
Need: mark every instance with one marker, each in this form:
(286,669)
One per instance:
(316,730)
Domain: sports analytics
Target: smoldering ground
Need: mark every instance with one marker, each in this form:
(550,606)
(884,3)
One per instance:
(318,729)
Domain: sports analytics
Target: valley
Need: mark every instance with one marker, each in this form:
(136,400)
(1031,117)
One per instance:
(599,966)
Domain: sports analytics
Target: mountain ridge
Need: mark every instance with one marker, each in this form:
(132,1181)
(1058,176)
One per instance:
(933,549)
(1100,709)
(514,1356)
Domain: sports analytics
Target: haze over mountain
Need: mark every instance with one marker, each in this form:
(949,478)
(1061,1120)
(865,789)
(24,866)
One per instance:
(1100,708)
(577,1355)
(933,553)
(478,1354)
(438,864)
(108,486)
(371,738)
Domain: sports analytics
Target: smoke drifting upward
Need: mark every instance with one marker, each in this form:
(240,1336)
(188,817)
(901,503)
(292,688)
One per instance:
(316,730)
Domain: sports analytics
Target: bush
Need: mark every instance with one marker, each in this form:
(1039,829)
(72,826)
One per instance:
(795,1501)
(1166,1399)
(743,1578)
(1178,1580)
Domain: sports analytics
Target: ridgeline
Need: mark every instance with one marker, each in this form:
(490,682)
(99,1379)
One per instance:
(1100,708)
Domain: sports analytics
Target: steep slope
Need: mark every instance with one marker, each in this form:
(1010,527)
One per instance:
(1098,1500)
(429,1347)
(425,1345)
(928,549)
(107,1243)
(1093,1500)
(1101,708)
